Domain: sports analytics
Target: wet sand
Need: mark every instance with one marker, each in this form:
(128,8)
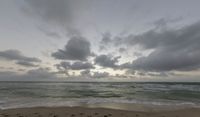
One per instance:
(93,112)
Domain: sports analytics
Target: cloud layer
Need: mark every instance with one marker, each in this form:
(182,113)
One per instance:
(107,61)
(19,58)
(99,38)
(50,11)
(38,74)
(173,49)
(74,66)
(77,48)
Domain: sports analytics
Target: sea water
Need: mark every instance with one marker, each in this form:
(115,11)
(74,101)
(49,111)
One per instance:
(31,94)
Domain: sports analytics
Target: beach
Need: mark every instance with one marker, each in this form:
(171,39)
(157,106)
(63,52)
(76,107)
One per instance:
(99,58)
(93,112)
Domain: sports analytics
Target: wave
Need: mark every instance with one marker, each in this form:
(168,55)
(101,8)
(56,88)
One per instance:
(14,94)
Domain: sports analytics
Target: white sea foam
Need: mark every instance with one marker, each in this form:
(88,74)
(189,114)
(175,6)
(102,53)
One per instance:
(90,101)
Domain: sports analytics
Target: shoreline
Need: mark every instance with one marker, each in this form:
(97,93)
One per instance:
(115,106)
(94,112)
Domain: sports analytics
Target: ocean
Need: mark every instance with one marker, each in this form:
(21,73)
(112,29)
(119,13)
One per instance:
(31,94)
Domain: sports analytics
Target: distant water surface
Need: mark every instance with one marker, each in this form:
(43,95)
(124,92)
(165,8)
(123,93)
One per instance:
(29,94)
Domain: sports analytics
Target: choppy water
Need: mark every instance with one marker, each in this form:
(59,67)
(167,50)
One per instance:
(28,94)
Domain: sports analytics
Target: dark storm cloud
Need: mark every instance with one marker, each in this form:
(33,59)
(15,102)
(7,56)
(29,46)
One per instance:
(173,49)
(74,66)
(77,48)
(107,61)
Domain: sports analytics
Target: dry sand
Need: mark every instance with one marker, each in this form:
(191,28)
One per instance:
(93,112)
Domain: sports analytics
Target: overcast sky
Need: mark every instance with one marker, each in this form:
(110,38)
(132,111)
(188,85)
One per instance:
(106,40)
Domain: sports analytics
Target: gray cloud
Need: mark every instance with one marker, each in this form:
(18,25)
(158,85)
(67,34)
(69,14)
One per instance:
(56,18)
(163,22)
(40,73)
(50,33)
(86,73)
(77,48)
(137,54)
(141,73)
(101,48)
(26,64)
(50,11)
(173,49)
(100,74)
(130,72)
(107,61)
(106,39)
(160,74)
(16,55)
(74,66)
(60,71)
(152,39)
(121,50)
(31,75)
(19,58)
(166,60)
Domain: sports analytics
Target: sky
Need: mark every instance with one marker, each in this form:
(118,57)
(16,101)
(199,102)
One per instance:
(100,40)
